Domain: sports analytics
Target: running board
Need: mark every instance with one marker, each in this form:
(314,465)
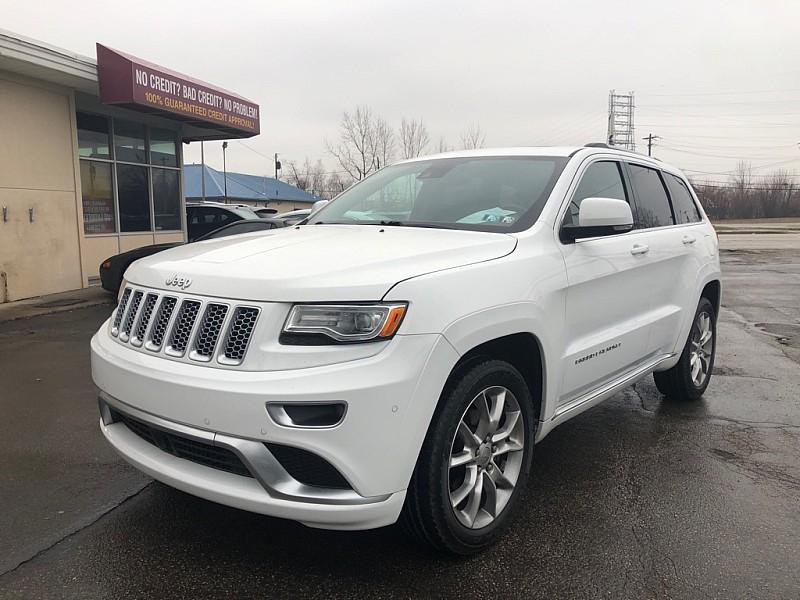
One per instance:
(599,394)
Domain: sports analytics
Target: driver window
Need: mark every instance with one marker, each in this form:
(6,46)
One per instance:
(601,180)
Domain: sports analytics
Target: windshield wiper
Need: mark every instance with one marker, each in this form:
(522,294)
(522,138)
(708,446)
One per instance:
(415,224)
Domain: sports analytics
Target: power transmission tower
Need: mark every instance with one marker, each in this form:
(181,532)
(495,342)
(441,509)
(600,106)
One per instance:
(650,139)
(620,121)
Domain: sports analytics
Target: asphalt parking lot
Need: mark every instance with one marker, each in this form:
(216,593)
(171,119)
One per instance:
(638,498)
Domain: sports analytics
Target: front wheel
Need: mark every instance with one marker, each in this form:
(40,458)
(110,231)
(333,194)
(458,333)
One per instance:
(474,461)
(689,378)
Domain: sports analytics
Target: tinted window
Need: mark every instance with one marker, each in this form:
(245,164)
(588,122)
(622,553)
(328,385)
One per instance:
(129,141)
(134,198)
(499,193)
(652,202)
(682,201)
(601,180)
(162,148)
(166,199)
(93,136)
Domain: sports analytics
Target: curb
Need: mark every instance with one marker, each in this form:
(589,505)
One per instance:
(55,303)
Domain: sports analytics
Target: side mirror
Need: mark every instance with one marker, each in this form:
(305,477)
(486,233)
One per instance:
(317,205)
(599,217)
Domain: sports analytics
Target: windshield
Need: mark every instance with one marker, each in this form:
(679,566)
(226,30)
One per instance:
(503,193)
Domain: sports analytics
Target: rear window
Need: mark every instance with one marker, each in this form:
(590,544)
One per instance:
(652,203)
(682,201)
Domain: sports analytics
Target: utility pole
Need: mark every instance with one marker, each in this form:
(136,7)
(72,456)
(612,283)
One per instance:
(650,138)
(277,165)
(620,121)
(225,170)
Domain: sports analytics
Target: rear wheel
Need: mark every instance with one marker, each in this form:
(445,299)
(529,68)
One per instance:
(475,460)
(689,378)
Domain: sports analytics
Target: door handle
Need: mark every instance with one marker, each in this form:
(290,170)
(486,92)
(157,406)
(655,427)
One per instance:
(688,239)
(640,249)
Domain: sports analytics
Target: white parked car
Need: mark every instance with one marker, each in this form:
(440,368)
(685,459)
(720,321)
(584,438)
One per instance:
(448,313)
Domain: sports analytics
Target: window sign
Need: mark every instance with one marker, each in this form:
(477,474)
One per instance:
(97,192)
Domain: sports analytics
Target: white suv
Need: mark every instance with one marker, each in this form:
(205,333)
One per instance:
(399,354)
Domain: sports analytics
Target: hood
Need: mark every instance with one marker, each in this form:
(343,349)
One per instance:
(316,263)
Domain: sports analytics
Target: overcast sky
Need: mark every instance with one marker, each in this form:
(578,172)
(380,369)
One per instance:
(718,80)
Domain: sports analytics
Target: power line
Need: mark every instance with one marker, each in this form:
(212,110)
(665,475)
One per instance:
(704,146)
(735,157)
(713,104)
(733,171)
(734,118)
(788,187)
(725,93)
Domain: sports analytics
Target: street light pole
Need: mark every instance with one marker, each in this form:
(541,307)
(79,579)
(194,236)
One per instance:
(202,171)
(277,165)
(225,170)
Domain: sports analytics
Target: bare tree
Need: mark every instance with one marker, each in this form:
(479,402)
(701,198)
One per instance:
(335,184)
(443,146)
(473,137)
(308,177)
(746,196)
(384,140)
(742,177)
(414,137)
(355,150)
(366,143)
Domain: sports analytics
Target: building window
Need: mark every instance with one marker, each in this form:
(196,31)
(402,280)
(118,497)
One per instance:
(94,139)
(129,141)
(162,148)
(166,199)
(135,187)
(97,189)
(134,198)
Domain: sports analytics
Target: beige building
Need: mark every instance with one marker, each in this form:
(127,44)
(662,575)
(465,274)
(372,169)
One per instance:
(90,159)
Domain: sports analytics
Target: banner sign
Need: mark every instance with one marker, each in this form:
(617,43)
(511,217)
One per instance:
(125,79)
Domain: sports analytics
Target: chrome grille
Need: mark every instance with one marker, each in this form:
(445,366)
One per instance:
(144,319)
(159,331)
(130,316)
(209,332)
(123,303)
(179,339)
(244,321)
(184,328)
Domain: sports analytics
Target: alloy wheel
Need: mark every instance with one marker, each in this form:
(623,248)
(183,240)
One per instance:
(701,348)
(486,457)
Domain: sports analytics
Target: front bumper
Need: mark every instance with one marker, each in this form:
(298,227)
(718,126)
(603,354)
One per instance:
(390,399)
(271,491)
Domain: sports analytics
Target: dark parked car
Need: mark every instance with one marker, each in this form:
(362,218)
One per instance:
(112,269)
(205,217)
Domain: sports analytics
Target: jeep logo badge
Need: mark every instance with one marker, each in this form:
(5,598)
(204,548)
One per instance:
(178,282)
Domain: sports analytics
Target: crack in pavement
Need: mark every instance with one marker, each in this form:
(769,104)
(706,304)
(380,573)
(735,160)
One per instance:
(102,514)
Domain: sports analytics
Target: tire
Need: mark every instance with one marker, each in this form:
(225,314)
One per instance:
(493,460)
(679,383)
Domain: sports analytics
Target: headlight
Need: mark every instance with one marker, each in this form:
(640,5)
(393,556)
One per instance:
(343,323)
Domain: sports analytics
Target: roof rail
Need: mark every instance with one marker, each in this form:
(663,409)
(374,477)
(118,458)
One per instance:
(596,145)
